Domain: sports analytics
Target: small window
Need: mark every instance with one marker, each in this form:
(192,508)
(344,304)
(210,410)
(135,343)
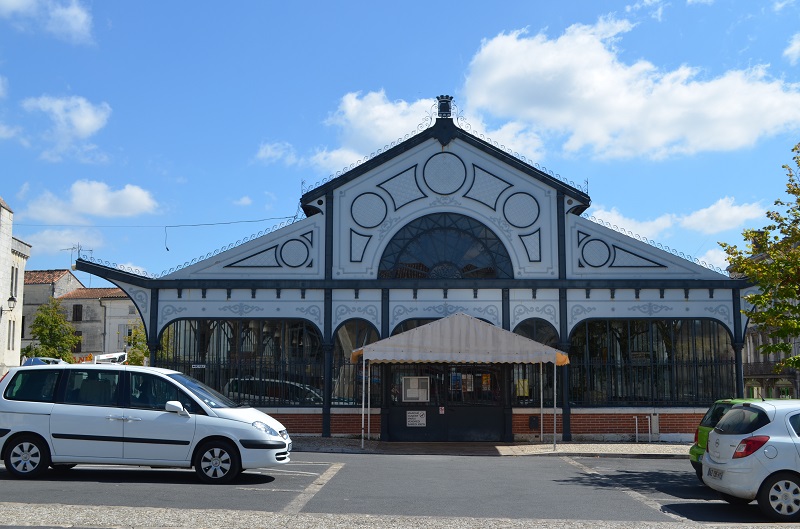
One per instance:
(77,348)
(92,387)
(34,385)
(131,309)
(77,313)
(742,420)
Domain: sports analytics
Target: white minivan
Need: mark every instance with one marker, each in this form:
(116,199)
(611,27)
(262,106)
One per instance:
(66,414)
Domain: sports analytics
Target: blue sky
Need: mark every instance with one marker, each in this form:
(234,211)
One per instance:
(151,133)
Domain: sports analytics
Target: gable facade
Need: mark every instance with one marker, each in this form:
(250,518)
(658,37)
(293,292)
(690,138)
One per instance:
(447,223)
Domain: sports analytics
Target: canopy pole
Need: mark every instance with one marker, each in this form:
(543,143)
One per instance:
(555,394)
(541,404)
(363,386)
(369,403)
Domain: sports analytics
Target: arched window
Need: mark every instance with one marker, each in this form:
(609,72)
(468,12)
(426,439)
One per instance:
(445,246)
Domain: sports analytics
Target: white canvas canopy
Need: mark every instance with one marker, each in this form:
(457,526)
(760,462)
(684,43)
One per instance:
(459,339)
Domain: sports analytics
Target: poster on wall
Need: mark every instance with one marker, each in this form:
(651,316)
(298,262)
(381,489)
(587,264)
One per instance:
(416,418)
(467,383)
(455,381)
(486,382)
(416,389)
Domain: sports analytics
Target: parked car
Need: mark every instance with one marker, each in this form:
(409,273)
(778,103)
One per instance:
(271,392)
(753,453)
(61,415)
(711,418)
(41,360)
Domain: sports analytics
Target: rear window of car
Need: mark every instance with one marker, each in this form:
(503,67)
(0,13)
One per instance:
(35,385)
(742,420)
(715,413)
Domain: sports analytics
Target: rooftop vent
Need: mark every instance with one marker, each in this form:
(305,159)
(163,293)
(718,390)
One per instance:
(444,106)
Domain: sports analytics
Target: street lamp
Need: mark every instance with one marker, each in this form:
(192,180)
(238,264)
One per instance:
(12,302)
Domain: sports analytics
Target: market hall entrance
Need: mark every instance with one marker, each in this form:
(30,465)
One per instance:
(446,403)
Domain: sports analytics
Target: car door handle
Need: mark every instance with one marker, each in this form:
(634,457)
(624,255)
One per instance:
(115,418)
(133,418)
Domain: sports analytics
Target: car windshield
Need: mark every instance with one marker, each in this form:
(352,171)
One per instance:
(742,420)
(211,397)
(715,413)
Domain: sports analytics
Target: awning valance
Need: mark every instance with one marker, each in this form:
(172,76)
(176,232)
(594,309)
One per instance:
(460,339)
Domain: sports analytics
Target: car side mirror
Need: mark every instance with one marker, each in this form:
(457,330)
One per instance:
(176,407)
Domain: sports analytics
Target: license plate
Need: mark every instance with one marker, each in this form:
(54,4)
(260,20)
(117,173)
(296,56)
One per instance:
(713,473)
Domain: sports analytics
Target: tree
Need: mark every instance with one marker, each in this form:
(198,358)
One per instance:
(55,335)
(771,261)
(137,345)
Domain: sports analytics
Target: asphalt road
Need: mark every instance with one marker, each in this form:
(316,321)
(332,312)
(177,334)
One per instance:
(366,490)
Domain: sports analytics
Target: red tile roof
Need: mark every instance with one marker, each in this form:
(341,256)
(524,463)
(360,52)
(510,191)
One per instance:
(95,293)
(43,277)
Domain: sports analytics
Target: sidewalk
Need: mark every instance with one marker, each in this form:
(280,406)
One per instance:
(347,445)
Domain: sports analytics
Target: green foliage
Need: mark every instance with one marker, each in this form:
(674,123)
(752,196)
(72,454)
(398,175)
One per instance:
(137,344)
(771,261)
(54,333)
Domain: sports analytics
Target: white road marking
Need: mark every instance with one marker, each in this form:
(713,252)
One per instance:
(297,504)
(630,492)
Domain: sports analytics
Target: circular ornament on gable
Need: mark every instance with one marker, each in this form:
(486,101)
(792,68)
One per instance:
(444,173)
(596,253)
(521,210)
(368,210)
(294,253)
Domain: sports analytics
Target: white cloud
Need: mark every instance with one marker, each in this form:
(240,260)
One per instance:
(67,20)
(694,2)
(721,216)
(792,52)
(10,8)
(575,87)
(368,123)
(88,198)
(53,242)
(6,132)
(244,201)
(715,257)
(779,5)
(650,229)
(274,152)
(74,120)
(70,22)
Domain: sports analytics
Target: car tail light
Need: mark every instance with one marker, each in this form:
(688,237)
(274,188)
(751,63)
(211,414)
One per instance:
(696,435)
(4,376)
(750,445)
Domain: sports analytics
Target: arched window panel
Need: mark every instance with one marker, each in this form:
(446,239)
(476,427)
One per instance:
(445,246)
(257,362)
(533,383)
(680,362)
(348,376)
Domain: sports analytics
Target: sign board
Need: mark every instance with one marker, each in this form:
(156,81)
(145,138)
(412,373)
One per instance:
(416,418)
(198,366)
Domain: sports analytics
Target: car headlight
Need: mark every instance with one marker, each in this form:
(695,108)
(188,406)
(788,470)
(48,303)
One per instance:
(265,428)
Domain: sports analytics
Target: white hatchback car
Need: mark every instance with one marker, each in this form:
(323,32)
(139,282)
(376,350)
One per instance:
(753,453)
(66,414)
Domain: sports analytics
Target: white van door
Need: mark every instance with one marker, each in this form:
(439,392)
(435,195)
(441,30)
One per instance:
(89,424)
(152,433)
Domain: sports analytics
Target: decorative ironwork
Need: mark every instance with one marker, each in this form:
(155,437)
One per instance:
(655,244)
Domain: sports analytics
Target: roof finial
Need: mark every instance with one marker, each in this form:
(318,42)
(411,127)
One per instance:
(444,106)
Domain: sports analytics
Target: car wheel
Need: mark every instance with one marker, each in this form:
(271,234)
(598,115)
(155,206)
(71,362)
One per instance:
(779,497)
(27,457)
(217,462)
(733,500)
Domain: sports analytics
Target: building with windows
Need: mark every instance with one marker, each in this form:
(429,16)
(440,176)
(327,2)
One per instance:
(441,223)
(14,255)
(102,317)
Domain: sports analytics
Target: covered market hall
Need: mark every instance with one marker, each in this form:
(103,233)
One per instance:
(446,224)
